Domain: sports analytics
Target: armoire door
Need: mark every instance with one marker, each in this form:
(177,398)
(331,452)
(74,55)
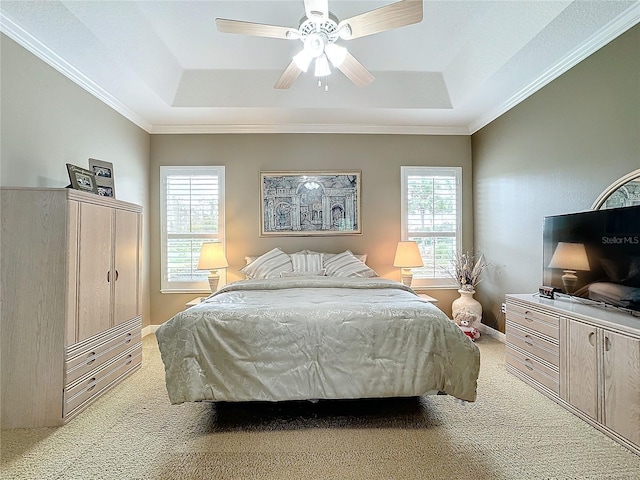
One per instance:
(94,271)
(127,257)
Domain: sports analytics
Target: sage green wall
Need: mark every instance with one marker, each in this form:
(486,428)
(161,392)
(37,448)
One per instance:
(379,157)
(47,121)
(554,153)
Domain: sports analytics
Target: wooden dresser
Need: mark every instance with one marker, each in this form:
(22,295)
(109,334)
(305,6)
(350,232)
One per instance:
(586,358)
(71,305)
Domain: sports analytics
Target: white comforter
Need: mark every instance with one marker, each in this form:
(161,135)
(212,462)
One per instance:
(315,338)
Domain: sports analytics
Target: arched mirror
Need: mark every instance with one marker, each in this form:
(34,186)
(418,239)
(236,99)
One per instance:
(625,192)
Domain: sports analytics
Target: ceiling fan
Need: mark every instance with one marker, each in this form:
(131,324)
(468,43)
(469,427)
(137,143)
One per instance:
(319,29)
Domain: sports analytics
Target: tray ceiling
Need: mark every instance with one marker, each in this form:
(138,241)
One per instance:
(164,65)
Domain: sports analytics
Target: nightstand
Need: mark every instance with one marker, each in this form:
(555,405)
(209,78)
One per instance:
(194,302)
(428,298)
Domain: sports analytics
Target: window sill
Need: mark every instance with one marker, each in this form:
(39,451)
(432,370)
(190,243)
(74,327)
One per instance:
(183,290)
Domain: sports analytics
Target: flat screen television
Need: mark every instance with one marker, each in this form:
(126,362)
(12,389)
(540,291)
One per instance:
(595,255)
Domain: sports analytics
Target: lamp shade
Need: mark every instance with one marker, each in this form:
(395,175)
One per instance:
(212,257)
(407,255)
(336,54)
(570,256)
(302,59)
(322,66)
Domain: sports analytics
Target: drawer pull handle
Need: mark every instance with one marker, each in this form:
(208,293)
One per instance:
(90,358)
(592,339)
(529,319)
(607,344)
(92,384)
(528,340)
(129,360)
(129,338)
(526,364)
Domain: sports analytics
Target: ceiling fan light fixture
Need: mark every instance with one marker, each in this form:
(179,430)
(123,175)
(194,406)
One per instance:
(322,66)
(344,31)
(314,44)
(336,54)
(303,59)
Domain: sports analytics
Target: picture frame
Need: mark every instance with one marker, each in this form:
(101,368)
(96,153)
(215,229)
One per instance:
(103,172)
(312,203)
(82,179)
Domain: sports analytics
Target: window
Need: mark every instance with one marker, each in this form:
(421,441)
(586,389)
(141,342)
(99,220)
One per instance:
(431,215)
(192,212)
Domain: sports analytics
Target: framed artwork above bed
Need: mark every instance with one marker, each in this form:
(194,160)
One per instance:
(310,203)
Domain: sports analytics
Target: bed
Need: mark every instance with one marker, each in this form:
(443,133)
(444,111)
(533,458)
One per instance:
(311,336)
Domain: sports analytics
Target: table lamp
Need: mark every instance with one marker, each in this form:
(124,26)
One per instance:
(407,257)
(570,257)
(212,258)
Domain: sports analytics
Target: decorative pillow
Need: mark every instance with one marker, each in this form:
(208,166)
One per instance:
(306,262)
(345,264)
(269,265)
(318,273)
(362,258)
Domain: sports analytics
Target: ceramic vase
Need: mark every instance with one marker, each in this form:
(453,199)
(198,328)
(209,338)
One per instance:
(466,310)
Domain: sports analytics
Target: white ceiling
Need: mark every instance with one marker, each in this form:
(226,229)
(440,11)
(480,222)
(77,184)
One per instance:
(164,65)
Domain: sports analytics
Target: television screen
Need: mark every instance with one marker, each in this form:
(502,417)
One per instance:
(595,255)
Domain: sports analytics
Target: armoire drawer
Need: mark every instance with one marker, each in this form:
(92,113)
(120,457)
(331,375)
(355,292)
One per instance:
(535,320)
(91,386)
(534,369)
(98,350)
(534,344)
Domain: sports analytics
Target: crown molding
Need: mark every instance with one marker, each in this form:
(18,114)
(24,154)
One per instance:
(44,53)
(617,27)
(310,128)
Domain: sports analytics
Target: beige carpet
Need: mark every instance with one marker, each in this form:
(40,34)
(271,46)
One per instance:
(511,432)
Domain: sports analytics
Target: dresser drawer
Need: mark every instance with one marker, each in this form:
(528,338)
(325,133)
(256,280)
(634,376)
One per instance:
(535,320)
(91,386)
(534,369)
(95,353)
(531,343)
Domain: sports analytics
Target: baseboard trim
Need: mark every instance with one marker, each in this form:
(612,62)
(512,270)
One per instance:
(149,329)
(492,332)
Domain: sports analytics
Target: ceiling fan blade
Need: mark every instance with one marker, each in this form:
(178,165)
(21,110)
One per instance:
(288,76)
(399,14)
(317,8)
(355,71)
(257,29)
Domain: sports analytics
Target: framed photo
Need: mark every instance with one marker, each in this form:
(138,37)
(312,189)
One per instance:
(310,203)
(82,179)
(103,172)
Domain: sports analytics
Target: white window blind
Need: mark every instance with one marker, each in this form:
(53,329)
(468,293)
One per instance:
(192,204)
(431,216)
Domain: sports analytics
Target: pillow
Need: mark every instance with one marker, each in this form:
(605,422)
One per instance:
(317,273)
(345,264)
(306,262)
(269,265)
(362,258)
